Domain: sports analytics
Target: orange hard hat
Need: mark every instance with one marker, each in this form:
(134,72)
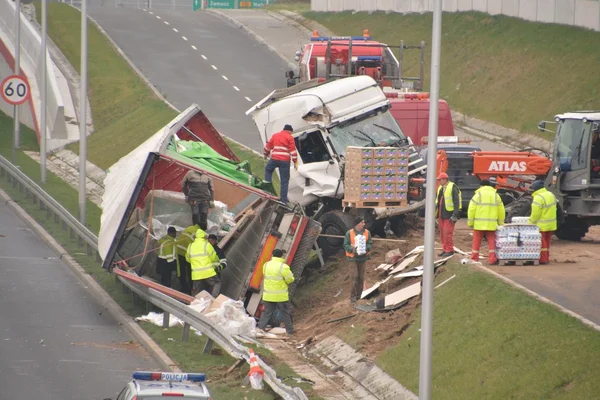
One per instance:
(443,175)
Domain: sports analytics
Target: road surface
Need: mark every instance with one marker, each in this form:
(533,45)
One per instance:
(56,342)
(198,58)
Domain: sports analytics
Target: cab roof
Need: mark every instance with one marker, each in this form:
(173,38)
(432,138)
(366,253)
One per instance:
(591,115)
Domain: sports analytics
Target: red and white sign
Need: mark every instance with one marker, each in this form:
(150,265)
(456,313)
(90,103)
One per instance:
(15,90)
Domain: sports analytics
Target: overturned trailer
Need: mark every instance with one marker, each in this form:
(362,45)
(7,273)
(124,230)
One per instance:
(143,197)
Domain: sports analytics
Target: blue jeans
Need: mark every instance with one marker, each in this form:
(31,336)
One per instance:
(284,174)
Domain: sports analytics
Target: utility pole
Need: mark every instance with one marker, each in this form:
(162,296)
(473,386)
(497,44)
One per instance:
(429,254)
(43,130)
(82,115)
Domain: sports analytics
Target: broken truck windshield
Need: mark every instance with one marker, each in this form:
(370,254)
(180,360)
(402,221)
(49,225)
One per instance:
(376,130)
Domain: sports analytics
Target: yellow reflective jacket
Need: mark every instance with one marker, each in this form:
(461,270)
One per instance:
(186,237)
(202,257)
(448,200)
(167,250)
(486,210)
(277,277)
(543,210)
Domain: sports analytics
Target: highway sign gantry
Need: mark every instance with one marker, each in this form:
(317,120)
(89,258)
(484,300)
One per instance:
(15,90)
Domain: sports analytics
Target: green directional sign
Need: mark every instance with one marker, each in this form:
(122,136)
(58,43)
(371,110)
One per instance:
(220,4)
(252,3)
(196,5)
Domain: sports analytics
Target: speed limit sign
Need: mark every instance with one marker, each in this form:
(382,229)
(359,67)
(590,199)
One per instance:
(15,90)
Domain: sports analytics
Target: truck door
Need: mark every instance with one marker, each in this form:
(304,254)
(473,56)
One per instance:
(318,172)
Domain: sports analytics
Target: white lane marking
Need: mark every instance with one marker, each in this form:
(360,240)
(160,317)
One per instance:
(166,23)
(215,68)
(194,47)
(150,12)
(248,98)
(203,56)
(236,88)
(144,9)
(224,77)
(184,38)
(158,17)
(175,29)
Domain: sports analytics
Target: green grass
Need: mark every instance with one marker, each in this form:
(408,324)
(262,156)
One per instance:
(500,69)
(295,6)
(494,342)
(125,111)
(61,191)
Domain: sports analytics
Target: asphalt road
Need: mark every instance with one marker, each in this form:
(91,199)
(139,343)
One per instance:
(56,342)
(198,58)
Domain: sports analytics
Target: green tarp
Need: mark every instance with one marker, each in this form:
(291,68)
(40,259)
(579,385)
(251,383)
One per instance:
(204,157)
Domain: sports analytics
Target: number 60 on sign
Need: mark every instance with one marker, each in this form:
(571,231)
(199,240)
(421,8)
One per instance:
(15,90)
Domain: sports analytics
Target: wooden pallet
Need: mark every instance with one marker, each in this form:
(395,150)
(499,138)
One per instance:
(520,262)
(373,204)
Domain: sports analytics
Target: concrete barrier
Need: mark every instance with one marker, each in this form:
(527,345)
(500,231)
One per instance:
(31,66)
(582,13)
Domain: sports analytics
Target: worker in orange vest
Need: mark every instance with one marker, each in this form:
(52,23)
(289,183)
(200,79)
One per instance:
(357,244)
(281,149)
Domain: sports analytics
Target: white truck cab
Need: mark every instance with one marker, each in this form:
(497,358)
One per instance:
(327,117)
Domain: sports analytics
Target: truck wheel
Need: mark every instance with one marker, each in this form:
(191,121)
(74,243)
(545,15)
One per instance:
(334,223)
(519,208)
(572,229)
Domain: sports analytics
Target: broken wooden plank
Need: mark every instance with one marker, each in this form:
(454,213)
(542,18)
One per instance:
(449,279)
(383,266)
(405,263)
(402,295)
(409,274)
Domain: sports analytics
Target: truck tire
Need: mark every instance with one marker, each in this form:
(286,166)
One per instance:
(572,229)
(519,208)
(334,222)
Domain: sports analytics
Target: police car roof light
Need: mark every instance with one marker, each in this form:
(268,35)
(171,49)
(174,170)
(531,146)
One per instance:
(168,376)
(334,38)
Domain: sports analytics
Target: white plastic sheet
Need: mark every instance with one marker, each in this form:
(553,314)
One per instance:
(122,177)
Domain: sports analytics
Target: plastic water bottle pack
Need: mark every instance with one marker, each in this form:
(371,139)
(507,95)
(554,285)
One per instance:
(518,241)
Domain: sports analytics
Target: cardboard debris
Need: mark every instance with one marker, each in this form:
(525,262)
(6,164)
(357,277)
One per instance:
(373,288)
(414,273)
(402,295)
(405,263)
(384,266)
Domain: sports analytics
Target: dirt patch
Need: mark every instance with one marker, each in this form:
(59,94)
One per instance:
(325,296)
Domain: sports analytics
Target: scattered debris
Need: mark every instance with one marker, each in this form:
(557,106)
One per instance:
(393,256)
(341,319)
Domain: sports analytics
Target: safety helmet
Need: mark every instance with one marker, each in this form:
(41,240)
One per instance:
(443,175)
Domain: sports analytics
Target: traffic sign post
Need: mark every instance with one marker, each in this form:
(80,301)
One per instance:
(17,69)
(15,90)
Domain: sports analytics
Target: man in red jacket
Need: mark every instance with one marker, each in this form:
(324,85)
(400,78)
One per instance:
(280,149)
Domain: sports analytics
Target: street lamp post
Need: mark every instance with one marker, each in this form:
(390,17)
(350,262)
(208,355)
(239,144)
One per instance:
(43,130)
(428,273)
(17,69)
(82,115)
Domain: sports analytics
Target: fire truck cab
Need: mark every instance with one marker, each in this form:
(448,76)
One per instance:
(341,56)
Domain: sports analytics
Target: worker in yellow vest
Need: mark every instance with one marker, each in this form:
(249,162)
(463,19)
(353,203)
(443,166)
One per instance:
(277,277)
(167,257)
(543,214)
(448,203)
(186,237)
(357,256)
(486,213)
(204,262)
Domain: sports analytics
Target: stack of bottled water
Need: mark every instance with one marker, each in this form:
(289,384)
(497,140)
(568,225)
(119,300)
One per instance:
(361,245)
(518,240)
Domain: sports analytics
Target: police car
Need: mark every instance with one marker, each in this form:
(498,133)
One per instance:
(159,385)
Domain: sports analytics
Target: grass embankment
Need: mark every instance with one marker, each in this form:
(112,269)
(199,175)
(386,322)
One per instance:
(499,69)
(490,341)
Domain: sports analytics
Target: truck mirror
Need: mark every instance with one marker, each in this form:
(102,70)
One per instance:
(298,53)
(297,58)
(289,74)
(331,162)
(542,126)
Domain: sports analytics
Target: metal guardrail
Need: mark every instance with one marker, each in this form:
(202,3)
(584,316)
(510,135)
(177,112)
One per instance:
(53,208)
(168,304)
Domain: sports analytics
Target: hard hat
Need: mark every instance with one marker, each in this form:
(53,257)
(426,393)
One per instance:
(443,175)
(537,185)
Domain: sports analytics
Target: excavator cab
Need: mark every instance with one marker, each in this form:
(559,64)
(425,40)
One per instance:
(575,174)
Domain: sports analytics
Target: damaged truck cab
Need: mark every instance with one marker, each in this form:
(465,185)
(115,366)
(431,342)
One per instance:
(328,117)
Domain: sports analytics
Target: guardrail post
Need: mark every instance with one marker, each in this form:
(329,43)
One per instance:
(89,250)
(208,346)
(185,334)
(166,318)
